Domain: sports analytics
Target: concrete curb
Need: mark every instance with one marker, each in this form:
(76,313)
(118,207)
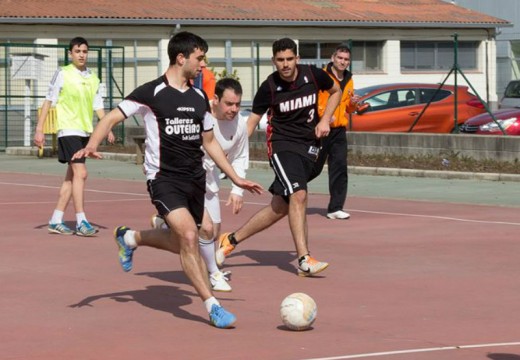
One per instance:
(357,170)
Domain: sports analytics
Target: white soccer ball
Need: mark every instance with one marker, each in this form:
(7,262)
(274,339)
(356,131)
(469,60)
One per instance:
(298,311)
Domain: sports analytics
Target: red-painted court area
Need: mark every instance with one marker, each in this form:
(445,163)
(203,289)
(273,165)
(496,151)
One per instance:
(408,280)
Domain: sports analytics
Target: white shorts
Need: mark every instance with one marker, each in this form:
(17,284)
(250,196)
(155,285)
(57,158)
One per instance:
(212,204)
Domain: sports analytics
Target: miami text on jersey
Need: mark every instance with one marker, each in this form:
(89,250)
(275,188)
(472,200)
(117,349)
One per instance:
(298,103)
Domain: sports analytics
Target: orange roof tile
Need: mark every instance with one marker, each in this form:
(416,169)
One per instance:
(368,12)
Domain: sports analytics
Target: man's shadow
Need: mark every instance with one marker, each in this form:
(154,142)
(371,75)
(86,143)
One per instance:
(72,225)
(316,211)
(283,260)
(169,299)
(497,356)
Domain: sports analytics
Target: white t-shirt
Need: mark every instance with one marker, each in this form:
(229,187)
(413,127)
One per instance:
(232,137)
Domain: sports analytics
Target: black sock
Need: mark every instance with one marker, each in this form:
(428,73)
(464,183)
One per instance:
(232,239)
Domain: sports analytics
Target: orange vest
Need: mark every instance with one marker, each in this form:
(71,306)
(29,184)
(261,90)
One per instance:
(345,107)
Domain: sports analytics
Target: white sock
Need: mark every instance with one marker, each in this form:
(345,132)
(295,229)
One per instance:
(57,217)
(80,217)
(129,238)
(207,251)
(209,303)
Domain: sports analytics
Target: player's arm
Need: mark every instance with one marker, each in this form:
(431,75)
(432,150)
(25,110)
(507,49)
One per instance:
(261,104)
(101,114)
(239,157)
(214,150)
(252,123)
(352,99)
(39,136)
(101,131)
(51,98)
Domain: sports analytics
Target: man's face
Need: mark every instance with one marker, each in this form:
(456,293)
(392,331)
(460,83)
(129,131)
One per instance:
(285,62)
(341,60)
(194,63)
(79,55)
(228,106)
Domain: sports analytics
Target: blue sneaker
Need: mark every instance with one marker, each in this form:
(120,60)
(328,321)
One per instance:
(221,318)
(125,252)
(60,228)
(85,229)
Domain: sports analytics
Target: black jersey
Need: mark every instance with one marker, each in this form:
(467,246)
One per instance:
(292,109)
(174,121)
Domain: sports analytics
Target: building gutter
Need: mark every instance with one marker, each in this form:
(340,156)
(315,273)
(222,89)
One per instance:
(231,22)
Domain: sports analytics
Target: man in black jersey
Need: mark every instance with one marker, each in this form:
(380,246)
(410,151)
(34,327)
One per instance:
(289,95)
(178,120)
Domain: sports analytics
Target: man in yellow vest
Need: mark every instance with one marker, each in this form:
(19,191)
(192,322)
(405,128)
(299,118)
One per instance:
(75,90)
(334,146)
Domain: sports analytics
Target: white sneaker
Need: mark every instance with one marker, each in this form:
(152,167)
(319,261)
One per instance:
(219,281)
(158,222)
(340,215)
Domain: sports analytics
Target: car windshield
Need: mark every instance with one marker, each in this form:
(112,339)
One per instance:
(366,90)
(513,90)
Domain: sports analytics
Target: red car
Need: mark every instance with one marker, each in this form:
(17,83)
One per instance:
(509,120)
(395,107)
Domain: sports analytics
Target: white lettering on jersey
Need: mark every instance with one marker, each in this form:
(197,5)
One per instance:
(184,127)
(298,103)
(186,108)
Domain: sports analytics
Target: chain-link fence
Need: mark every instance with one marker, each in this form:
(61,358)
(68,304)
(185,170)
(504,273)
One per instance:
(26,71)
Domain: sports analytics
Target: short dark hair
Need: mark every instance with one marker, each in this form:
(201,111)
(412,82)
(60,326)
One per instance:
(343,47)
(185,43)
(227,83)
(285,44)
(78,40)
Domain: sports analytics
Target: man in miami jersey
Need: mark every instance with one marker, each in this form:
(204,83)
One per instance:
(289,95)
(177,122)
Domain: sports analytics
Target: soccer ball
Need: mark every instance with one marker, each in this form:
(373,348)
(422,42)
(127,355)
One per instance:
(298,311)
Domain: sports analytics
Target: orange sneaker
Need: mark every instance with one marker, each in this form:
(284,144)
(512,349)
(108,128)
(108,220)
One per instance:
(309,266)
(224,248)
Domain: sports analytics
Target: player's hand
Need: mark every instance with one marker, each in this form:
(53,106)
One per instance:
(353,97)
(236,201)
(250,186)
(322,129)
(111,138)
(39,139)
(87,152)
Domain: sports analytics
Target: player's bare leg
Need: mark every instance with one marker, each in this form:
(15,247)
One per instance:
(263,219)
(298,221)
(184,231)
(65,191)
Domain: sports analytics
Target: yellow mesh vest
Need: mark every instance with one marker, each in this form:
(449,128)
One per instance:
(75,103)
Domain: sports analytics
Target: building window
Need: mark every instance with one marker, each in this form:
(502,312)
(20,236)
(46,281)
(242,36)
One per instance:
(366,55)
(437,56)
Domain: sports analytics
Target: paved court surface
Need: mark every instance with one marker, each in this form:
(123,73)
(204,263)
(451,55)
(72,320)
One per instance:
(426,269)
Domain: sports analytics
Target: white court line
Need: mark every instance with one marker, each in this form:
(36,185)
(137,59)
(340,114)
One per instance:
(414,351)
(89,190)
(437,217)
(263,204)
(54,202)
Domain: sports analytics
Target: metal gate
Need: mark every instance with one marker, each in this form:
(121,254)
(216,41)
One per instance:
(25,73)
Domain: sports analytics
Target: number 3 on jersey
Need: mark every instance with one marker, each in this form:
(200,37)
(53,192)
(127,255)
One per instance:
(311,115)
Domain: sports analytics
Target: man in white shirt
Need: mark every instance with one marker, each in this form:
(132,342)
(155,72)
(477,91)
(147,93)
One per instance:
(75,90)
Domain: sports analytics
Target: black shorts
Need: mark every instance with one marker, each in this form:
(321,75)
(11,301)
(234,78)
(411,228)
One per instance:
(169,193)
(292,173)
(68,146)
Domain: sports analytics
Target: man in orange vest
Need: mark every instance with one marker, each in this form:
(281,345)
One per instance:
(334,146)
(206,81)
